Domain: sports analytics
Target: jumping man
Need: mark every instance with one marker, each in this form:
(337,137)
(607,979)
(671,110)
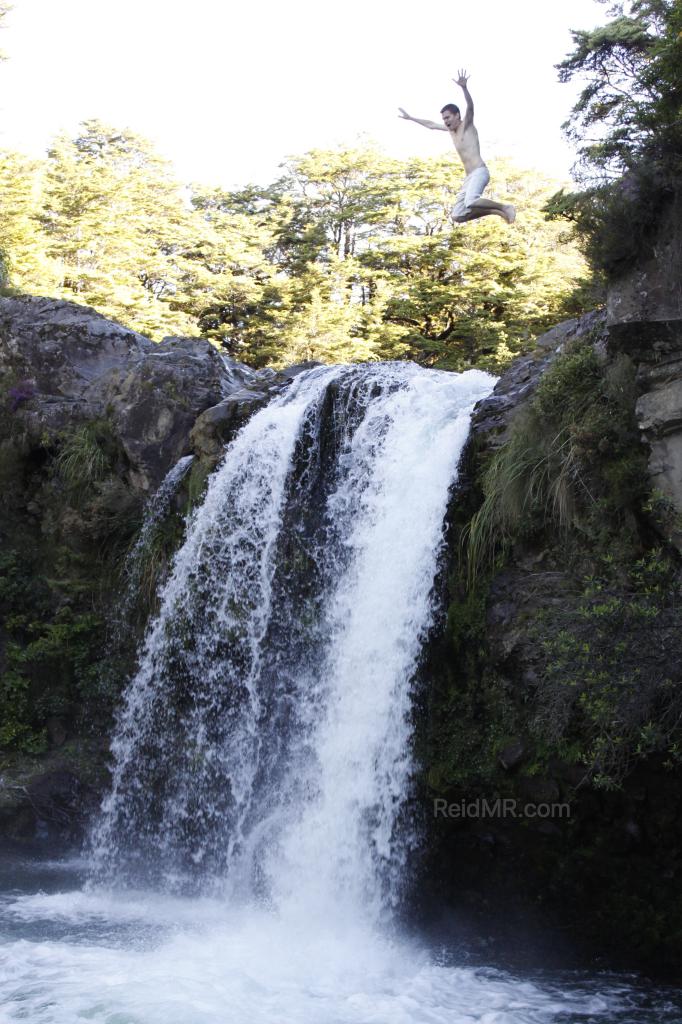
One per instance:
(468,205)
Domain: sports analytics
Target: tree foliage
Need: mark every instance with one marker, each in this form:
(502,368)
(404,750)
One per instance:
(117,228)
(348,255)
(627,126)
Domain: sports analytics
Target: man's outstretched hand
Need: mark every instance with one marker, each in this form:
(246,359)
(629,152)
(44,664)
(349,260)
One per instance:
(462,79)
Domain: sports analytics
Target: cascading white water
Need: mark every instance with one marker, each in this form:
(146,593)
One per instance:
(187,743)
(387,506)
(265,740)
(156,509)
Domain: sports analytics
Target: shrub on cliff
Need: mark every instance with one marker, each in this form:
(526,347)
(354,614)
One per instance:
(571,482)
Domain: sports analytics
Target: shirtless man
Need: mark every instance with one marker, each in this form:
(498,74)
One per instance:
(468,205)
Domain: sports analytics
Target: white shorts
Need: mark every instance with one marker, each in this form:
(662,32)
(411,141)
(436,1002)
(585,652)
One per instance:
(472,189)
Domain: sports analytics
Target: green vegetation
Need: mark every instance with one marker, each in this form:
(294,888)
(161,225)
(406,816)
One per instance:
(76,584)
(609,691)
(66,520)
(600,622)
(82,458)
(627,122)
(54,639)
(349,255)
(546,471)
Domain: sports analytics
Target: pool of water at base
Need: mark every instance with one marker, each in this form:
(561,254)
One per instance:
(72,953)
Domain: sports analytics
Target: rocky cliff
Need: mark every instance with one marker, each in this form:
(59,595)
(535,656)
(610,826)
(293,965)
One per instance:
(644,317)
(556,681)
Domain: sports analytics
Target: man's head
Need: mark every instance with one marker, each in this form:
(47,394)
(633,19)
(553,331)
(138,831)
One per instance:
(451,116)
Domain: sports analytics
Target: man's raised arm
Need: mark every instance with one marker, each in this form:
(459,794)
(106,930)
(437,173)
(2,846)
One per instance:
(419,120)
(461,81)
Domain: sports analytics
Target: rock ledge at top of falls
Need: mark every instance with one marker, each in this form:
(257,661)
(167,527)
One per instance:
(493,415)
(65,365)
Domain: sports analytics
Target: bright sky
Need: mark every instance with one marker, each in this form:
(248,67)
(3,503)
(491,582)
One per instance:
(226,90)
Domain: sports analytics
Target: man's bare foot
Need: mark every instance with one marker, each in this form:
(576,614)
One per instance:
(509,213)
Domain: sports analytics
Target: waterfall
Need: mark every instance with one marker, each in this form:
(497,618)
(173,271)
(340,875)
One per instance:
(156,509)
(263,747)
(251,852)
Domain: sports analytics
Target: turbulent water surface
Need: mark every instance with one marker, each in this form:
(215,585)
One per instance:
(72,954)
(250,858)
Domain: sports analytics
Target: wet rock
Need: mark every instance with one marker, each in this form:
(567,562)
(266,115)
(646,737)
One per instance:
(512,754)
(644,318)
(45,802)
(216,426)
(540,790)
(56,732)
(659,415)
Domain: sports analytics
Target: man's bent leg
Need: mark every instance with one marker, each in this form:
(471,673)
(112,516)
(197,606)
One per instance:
(490,209)
(477,207)
(486,207)
(459,210)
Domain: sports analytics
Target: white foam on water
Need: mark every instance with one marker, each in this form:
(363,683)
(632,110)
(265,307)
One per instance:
(210,964)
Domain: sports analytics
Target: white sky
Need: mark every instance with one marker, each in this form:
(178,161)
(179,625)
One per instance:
(226,90)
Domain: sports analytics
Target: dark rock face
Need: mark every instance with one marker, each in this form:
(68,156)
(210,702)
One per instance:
(493,416)
(215,426)
(659,414)
(652,290)
(44,803)
(155,403)
(659,407)
(644,317)
(71,366)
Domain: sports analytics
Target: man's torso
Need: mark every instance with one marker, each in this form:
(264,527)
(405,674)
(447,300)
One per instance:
(468,147)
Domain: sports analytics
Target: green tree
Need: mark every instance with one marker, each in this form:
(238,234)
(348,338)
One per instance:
(117,224)
(630,108)
(237,295)
(627,126)
(480,294)
(349,255)
(343,193)
(27,265)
